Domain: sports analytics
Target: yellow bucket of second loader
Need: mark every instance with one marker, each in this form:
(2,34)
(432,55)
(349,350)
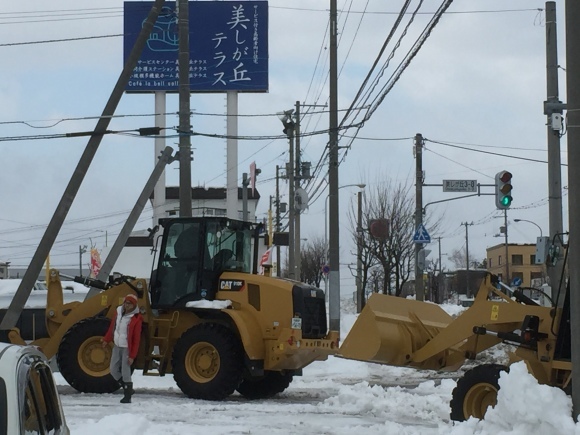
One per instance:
(389,330)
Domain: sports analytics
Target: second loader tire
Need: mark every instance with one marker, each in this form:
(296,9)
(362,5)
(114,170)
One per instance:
(266,386)
(476,391)
(208,362)
(81,359)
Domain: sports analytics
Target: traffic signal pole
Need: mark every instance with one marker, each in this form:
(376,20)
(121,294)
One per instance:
(419,288)
(507,262)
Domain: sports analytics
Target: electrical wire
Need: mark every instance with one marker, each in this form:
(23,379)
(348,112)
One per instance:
(490,153)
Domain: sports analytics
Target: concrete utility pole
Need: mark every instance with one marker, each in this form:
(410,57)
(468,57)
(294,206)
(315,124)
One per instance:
(159,189)
(103,275)
(245,184)
(439,240)
(291,210)
(289,130)
(440,295)
(573,102)
(553,110)
(333,224)
(297,179)
(419,288)
(55,224)
(278,265)
(466,255)
(360,293)
(184,111)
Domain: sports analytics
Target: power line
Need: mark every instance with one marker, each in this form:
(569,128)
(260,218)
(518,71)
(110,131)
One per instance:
(47,41)
(55,122)
(490,153)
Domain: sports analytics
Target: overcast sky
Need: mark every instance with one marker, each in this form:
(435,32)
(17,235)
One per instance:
(478,82)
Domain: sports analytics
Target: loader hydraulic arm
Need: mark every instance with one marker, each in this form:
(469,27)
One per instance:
(529,333)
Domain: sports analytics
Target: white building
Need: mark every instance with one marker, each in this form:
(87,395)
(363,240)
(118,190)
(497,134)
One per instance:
(4,269)
(210,201)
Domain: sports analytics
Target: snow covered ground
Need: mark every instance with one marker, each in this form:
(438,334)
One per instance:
(336,396)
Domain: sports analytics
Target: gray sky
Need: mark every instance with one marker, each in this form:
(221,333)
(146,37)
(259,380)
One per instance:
(478,82)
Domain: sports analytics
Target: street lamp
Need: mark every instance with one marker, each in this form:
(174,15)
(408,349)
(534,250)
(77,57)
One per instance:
(106,236)
(360,186)
(533,223)
(82,250)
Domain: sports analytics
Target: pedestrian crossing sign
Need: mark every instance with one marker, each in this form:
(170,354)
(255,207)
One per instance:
(421,235)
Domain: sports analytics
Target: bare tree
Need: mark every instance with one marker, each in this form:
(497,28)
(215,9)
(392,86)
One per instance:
(459,260)
(312,259)
(395,254)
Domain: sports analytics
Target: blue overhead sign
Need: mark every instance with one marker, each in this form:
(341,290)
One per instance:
(228,44)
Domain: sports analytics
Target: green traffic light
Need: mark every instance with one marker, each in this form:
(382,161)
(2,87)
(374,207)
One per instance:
(506,201)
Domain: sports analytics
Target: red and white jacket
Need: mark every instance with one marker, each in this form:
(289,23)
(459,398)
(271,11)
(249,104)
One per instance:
(133,330)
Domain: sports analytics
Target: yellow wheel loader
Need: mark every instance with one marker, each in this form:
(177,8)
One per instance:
(403,332)
(208,320)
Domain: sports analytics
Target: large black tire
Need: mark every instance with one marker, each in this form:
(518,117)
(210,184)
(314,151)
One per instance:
(81,359)
(476,391)
(208,362)
(266,386)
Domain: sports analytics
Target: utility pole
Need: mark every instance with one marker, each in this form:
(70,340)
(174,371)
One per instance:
(467,292)
(278,265)
(297,178)
(333,226)
(245,184)
(507,262)
(439,277)
(184,111)
(419,288)
(270,224)
(439,240)
(82,250)
(360,293)
(553,110)
(291,211)
(573,116)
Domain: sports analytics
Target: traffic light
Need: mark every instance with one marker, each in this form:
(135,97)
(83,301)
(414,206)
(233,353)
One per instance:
(503,190)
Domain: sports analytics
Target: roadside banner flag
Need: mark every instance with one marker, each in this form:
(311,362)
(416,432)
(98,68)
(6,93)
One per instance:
(95,262)
(265,260)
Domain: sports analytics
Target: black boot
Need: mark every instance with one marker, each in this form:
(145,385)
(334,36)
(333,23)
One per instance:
(128,392)
(122,384)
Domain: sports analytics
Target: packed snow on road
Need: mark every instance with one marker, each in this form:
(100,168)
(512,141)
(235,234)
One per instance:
(336,396)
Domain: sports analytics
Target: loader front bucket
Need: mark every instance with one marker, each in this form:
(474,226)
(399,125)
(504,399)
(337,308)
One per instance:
(389,330)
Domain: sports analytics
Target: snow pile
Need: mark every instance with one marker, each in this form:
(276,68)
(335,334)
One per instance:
(524,407)
(216,305)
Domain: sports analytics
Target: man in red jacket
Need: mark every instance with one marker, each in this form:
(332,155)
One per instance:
(125,333)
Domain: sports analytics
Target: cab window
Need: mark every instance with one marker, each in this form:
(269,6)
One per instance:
(40,410)
(177,274)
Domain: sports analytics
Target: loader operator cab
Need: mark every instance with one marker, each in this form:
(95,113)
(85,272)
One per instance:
(194,252)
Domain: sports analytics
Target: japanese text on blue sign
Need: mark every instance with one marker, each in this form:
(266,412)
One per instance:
(228,44)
